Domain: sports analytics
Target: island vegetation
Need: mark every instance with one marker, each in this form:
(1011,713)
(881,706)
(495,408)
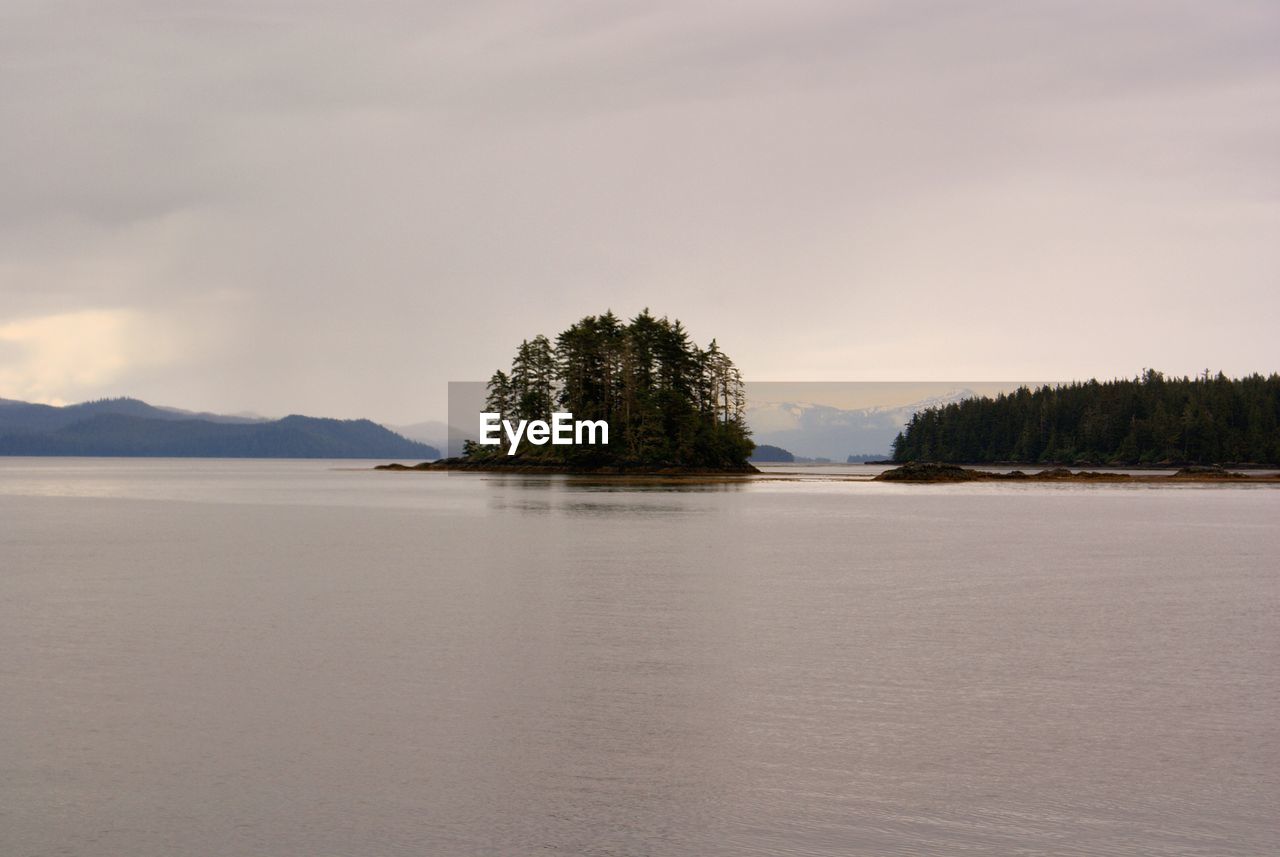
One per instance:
(1147,420)
(671,406)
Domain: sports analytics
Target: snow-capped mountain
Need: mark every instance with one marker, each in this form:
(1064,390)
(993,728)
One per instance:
(821,431)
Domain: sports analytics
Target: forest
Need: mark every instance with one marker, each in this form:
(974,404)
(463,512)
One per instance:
(1150,419)
(669,403)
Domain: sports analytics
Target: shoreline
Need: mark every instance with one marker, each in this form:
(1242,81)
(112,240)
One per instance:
(528,468)
(931,473)
(911,474)
(1095,466)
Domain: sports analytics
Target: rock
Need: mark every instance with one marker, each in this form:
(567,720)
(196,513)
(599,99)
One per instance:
(916,471)
(1206,471)
(1055,473)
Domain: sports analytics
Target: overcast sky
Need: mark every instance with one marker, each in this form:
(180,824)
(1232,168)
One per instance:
(334,208)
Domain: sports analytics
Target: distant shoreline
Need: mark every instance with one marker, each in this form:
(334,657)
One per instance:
(1102,467)
(915,473)
(526,467)
(931,473)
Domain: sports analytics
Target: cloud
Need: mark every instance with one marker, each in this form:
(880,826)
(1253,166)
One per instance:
(58,358)
(353,204)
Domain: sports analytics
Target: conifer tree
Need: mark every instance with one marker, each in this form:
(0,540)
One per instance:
(668,402)
(1144,420)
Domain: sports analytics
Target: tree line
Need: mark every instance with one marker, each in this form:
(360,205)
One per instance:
(1149,419)
(668,402)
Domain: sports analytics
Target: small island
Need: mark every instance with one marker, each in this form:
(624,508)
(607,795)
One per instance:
(671,407)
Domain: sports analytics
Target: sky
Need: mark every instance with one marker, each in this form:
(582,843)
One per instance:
(336,208)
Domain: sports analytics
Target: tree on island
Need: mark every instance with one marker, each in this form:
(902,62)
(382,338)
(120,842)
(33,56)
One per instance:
(668,403)
(1151,419)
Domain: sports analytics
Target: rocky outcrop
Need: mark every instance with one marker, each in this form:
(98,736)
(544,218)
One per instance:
(919,471)
(520,465)
(1207,472)
(943,473)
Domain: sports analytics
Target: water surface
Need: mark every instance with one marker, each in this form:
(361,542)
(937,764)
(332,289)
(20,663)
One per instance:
(299,658)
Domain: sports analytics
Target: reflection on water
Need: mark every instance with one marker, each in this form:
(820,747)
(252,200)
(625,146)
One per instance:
(593,496)
(584,507)
(618,484)
(290,659)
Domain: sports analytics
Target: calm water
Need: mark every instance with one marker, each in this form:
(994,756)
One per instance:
(283,658)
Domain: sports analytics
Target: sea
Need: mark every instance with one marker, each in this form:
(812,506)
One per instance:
(308,658)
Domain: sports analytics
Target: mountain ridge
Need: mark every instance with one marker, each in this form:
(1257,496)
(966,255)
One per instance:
(130,427)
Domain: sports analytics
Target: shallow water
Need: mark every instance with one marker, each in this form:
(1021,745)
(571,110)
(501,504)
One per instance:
(294,658)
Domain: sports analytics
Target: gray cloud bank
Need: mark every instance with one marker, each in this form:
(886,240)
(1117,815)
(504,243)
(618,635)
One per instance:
(334,208)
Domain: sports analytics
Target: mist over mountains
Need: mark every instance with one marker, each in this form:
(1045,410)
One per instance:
(431,432)
(131,427)
(822,431)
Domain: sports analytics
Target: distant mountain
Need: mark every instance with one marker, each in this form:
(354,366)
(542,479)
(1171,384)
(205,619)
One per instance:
(821,431)
(129,427)
(766,453)
(26,416)
(245,417)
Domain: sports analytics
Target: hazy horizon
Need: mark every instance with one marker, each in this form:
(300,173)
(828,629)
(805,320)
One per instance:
(335,210)
(846,395)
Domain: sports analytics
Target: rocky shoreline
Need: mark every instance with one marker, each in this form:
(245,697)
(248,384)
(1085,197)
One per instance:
(912,473)
(930,472)
(530,467)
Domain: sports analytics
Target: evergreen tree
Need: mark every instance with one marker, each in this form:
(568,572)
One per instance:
(1148,419)
(668,402)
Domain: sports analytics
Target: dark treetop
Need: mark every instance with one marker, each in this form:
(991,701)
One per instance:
(1150,419)
(669,403)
